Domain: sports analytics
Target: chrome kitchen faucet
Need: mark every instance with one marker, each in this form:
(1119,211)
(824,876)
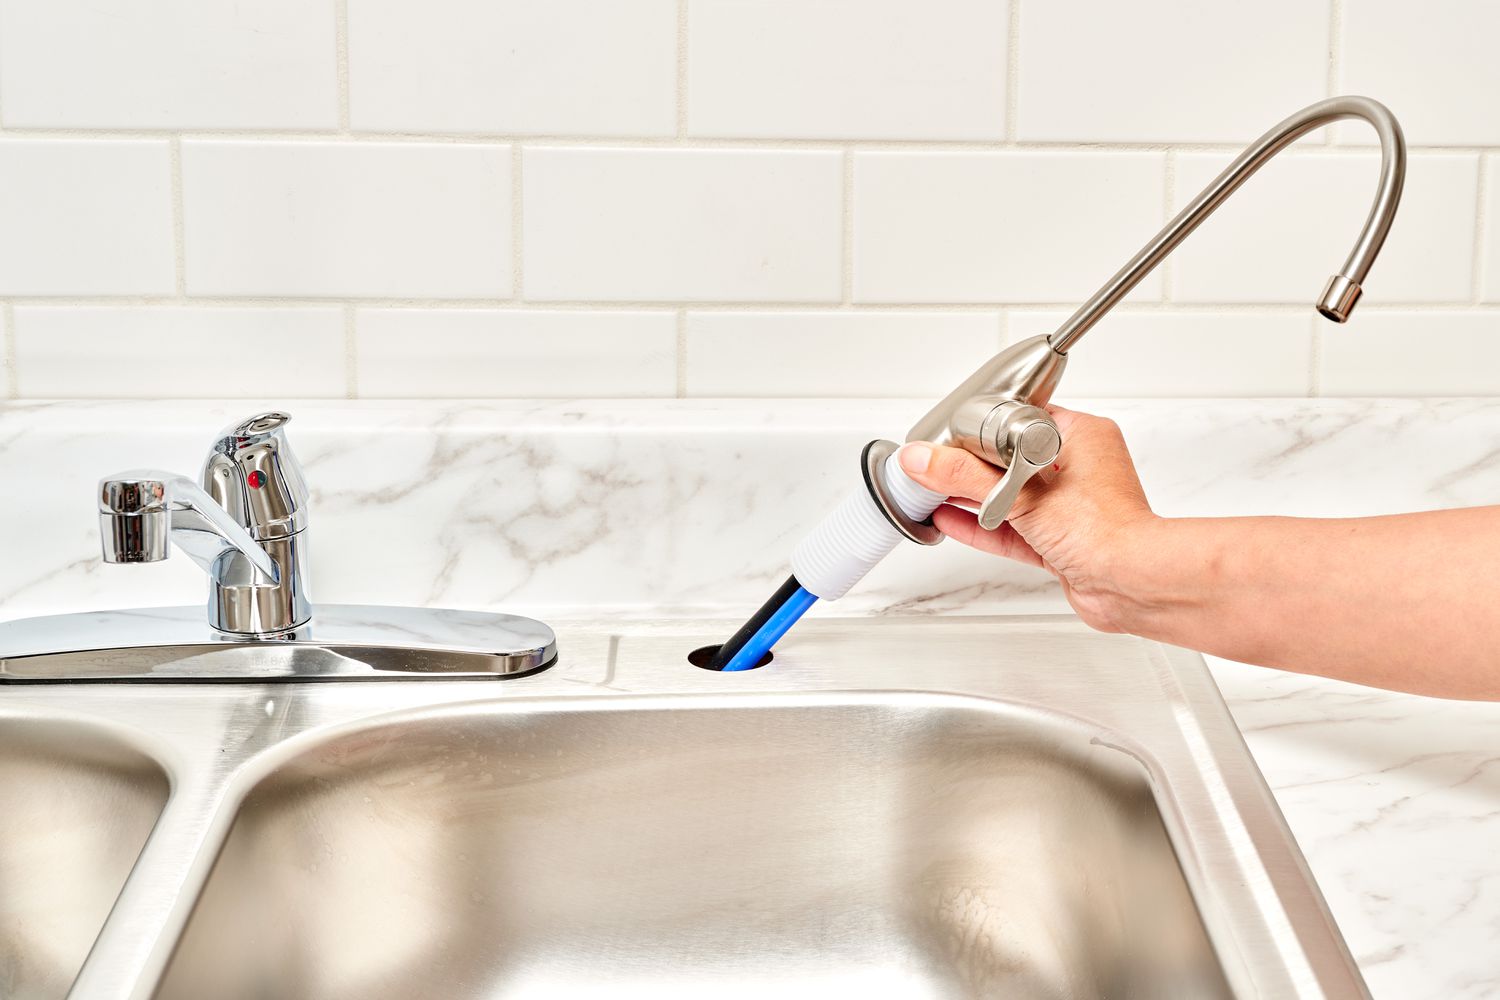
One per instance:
(246,526)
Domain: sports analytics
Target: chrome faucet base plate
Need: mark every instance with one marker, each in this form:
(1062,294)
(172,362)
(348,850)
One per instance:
(341,642)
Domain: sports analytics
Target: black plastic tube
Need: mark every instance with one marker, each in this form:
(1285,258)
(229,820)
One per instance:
(756,622)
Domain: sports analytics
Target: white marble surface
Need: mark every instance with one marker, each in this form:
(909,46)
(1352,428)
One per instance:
(591,509)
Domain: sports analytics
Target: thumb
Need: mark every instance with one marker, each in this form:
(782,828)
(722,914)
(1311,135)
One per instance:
(952,471)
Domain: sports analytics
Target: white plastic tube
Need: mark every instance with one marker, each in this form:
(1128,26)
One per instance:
(855,535)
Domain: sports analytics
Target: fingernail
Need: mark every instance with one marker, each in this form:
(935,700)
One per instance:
(916,458)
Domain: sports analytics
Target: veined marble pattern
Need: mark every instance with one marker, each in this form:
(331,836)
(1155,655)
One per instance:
(692,507)
(1395,800)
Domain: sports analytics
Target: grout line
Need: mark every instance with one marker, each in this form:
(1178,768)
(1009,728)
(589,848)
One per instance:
(179,226)
(1315,357)
(1481,245)
(682,68)
(341,60)
(1335,57)
(682,349)
(351,362)
(1169,196)
(569,141)
(2,108)
(1335,45)
(1012,70)
(672,305)
(12,359)
(517,227)
(847,263)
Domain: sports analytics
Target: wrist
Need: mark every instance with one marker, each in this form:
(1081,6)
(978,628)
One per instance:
(1145,581)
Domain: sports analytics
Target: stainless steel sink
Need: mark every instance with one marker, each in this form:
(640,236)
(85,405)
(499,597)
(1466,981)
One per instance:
(1010,808)
(76,806)
(946,848)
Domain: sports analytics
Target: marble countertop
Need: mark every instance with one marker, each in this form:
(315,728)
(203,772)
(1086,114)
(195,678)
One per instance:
(1395,800)
(582,509)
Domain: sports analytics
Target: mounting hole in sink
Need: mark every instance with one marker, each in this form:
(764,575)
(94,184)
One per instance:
(703,657)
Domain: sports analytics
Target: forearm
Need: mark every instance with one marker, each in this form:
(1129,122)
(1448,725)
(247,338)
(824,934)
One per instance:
(1409,601)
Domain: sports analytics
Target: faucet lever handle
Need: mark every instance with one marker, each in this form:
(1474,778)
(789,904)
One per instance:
(1029,441)
(253,474)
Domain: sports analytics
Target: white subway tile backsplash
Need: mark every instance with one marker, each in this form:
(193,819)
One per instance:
(1291,227)
(1400,353)
(414,353)
(836,353)
(1167,71)
(366,219)
(921,168)
(652,224)
(8,368)
(178,351)
(881,69)
(1001,227)
(85,217)
(1433,64)
(1489,255)
(601,67)
(168,64)
(1182,354)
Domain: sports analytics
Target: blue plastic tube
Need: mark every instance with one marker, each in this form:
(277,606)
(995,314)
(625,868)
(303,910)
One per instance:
(782,619)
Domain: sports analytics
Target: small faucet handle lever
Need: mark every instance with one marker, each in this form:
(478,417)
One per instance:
(253,474)
(1028,441)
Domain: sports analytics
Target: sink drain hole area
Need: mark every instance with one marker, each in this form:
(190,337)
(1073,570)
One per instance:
(704,656)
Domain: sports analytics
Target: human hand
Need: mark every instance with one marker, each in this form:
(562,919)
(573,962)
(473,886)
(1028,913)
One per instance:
(1081,519)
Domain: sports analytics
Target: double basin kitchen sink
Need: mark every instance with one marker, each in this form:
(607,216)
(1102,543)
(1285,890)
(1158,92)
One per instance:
(1016,808)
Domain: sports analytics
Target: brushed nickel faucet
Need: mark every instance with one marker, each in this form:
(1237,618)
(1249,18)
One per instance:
(245,526)
(997,412)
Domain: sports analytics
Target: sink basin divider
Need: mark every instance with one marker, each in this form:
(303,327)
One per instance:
(137,939)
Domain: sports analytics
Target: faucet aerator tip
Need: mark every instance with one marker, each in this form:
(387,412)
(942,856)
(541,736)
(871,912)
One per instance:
(1338,298)
(135,538)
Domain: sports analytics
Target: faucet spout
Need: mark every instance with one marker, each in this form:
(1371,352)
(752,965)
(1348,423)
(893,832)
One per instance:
(1343,289)
(141,512)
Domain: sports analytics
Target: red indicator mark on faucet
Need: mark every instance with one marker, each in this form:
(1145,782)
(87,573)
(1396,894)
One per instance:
(256,479)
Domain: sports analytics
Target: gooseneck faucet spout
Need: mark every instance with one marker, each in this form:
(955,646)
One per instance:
(1343,289)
